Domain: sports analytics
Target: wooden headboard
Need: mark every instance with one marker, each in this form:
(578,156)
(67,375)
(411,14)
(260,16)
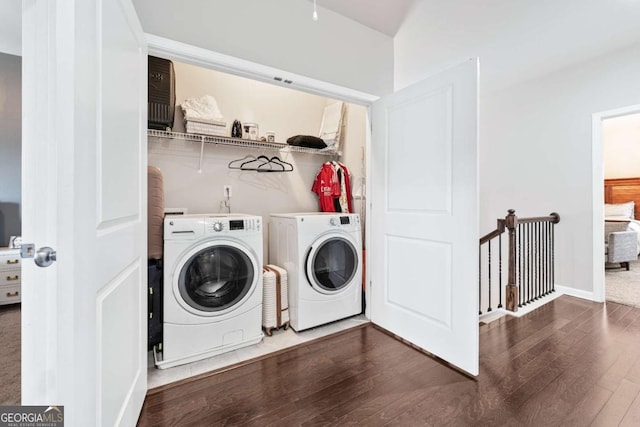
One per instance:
(622,190)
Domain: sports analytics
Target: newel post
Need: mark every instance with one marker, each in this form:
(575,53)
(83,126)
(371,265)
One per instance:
(511,222)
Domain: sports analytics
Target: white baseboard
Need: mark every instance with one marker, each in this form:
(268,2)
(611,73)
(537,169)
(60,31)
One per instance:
(560,290)
(578,293)
(536,304)
(492,315)
(495,314)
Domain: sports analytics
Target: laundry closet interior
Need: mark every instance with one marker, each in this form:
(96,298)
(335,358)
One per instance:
(239,183)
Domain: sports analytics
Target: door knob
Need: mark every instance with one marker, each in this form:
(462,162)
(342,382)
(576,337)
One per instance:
(45,256)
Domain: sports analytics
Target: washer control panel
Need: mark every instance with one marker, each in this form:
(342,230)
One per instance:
(190,227)
(233,225)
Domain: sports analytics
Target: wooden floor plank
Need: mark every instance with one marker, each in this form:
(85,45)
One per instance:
(571,362)
(587,409)
(617,406)
(632,417)
(634,373)
(621,367)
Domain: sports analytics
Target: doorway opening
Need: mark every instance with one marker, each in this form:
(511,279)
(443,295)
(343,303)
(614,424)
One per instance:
(10,225)
(621,157)
(275,101)
(616,181)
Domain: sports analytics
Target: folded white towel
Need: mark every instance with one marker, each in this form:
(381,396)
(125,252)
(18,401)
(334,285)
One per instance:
(218,123)
(204,108)
(205,129)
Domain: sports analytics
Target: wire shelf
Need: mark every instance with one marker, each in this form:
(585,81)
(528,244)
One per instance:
(239,142)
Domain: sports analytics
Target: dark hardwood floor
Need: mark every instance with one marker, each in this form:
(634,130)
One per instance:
(569,363)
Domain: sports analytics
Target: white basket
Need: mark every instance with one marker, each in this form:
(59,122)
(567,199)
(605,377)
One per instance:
(215,129)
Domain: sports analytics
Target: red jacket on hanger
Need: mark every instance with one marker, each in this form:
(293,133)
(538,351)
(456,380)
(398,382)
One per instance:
(327,187)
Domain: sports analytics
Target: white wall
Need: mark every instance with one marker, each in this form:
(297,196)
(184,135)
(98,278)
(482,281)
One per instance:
(544,70)
(621,148)
(10,146)
(280,34)
(536,152)
(283,110)
(11,27)
(516,40)
(247,100)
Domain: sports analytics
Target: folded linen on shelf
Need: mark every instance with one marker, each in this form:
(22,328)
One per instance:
(206,128)
(203,108)
(208,122)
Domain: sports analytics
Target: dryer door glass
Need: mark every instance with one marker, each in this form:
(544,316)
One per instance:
(333,264)
(216,278)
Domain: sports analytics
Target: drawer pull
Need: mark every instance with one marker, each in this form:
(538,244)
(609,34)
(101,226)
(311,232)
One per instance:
(13,261)
(11,279)
(12,294)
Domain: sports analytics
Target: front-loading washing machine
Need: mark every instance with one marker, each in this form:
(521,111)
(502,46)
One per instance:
(212,286)
(322,253)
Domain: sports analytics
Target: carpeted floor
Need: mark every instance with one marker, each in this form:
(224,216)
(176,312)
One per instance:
(10,354)
(623,286)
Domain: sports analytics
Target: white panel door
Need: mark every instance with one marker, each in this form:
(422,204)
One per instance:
(84,194)
(424,215)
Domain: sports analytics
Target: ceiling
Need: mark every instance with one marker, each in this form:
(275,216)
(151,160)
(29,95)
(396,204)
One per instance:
(516,40)
(385,16)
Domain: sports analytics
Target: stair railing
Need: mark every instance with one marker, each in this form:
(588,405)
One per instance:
(530,258)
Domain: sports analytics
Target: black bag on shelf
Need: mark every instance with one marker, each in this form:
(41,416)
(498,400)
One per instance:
(161,93)
(155,302)
(306,141)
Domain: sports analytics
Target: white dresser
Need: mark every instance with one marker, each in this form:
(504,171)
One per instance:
(10,276)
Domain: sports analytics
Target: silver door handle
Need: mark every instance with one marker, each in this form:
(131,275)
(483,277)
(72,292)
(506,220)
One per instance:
(45,256)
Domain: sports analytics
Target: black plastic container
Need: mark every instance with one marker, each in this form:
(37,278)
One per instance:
(161,96)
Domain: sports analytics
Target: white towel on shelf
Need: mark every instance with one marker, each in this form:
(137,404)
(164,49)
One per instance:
(207,122)
(200,109)
(206,129)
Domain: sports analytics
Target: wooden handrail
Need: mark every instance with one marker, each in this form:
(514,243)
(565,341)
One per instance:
(552,217)
(495,233)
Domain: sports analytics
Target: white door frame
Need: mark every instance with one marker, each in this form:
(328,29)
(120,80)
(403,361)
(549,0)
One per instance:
(171,49)
(174,50)
(597,143)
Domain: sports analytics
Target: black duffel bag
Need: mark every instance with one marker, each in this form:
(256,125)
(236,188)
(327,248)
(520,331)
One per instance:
(306,141)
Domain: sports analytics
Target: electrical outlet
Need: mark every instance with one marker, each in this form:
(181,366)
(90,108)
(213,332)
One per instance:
(227,191)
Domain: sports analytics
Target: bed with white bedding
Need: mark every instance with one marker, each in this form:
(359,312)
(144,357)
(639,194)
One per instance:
(622,205)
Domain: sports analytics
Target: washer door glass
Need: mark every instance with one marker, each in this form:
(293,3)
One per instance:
(216,278)
(332,264)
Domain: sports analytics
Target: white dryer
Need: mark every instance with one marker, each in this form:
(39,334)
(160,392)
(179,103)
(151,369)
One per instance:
(322,253)
(212,286)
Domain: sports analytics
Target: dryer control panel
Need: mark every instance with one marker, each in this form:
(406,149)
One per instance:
(342,220)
